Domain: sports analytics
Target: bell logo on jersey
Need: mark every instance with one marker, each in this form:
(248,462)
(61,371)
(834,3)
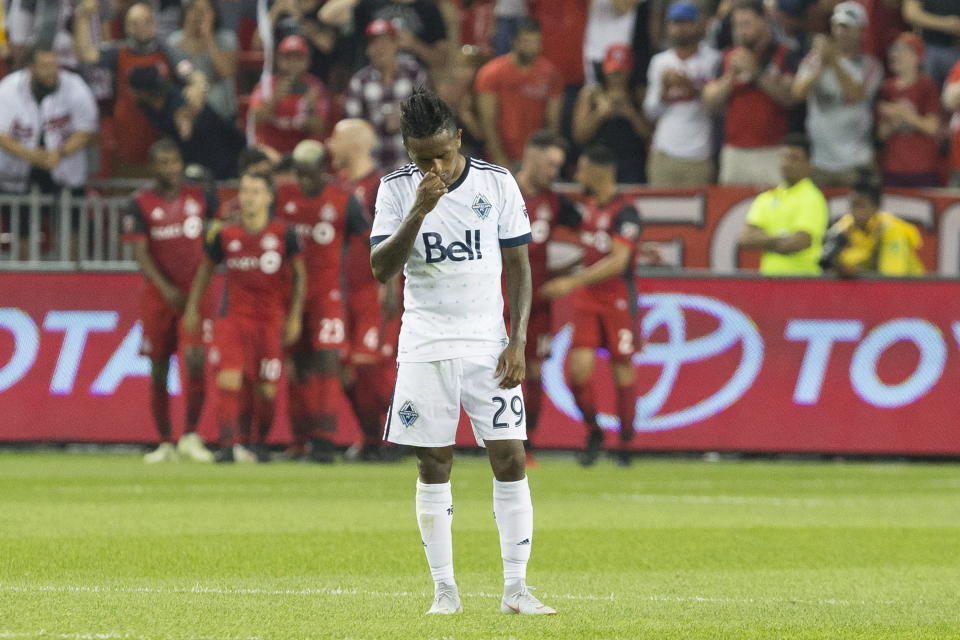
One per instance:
(469,249)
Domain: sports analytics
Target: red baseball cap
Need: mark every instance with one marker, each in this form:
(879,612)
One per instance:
(381,27)
(619,57)
(913,41)
(293,44)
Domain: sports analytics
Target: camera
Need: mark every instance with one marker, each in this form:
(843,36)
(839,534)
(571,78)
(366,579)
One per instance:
(833,243)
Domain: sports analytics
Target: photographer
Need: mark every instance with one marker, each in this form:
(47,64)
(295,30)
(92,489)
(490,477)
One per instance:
(868,241)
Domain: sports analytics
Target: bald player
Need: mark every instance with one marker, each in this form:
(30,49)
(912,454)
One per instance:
(373,318)
(325,217)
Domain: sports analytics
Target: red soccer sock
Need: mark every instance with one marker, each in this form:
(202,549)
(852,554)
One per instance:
(228,417)
(160,408)
(321,401)
(266,409)
(627,410)
(194,392)
(368,404)
(583,396)
(533,397)
(297,410)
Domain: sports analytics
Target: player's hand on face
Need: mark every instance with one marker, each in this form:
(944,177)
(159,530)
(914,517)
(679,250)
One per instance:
(429,192)
(291,330)
(558,287)
(511,367)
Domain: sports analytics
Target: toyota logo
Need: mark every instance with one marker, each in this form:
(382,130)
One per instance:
(671,315)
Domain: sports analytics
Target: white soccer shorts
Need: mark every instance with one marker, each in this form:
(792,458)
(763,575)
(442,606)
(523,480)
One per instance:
(425,409)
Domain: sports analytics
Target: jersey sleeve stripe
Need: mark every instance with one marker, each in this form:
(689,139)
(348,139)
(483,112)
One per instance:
(506,243)
(375,240)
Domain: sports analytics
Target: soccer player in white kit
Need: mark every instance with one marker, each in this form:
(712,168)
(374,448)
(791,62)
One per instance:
(452,223)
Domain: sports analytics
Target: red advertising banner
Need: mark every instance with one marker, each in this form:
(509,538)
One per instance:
(728,364)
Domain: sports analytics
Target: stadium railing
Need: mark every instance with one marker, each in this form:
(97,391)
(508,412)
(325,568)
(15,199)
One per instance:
(61,232)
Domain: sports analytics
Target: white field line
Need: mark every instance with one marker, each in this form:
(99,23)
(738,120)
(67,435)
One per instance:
(340,591)
(724,499)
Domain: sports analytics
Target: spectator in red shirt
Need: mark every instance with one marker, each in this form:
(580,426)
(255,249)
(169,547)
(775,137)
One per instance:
(142,48)
(908,119)
(754,91)
(951,102)
(295,105)
(518,93)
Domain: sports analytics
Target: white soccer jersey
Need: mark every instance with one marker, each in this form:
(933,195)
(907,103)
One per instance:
(453,306)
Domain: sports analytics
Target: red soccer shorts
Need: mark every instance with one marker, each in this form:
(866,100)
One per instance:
(250,345)
(364,321)
(611,326)
(163,331)
(324,326)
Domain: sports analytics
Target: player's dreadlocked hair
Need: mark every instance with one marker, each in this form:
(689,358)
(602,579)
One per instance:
(423,115)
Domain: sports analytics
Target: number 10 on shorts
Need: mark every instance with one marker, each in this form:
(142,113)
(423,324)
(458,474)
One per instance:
(501,421)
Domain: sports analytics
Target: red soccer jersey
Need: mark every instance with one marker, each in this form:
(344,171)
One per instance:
(546,210)
(602,225)
(256,286)
(323,224)
(357,272)
(753,118)
(522,97)
(911,151)
(289,123)
(173,230)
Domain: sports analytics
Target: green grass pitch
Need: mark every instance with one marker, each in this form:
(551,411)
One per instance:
(102,547)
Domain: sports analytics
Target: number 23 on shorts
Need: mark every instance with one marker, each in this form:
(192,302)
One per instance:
(513,406)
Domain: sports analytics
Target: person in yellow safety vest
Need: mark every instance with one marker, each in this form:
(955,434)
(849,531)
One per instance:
(868,241)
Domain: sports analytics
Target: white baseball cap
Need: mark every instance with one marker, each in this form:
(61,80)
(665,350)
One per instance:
(849,13)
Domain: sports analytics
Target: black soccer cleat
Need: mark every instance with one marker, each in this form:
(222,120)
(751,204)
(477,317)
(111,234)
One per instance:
(592,451)
(321,451)
(224,455)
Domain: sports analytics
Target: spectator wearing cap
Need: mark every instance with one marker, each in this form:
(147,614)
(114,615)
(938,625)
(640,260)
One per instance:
(376,91)
(939,24)
(421,30)
(517,94)
(754,94)
(141,48)
(840,85)
(295,105)
(183,114)
(908,119)
(202,45)
(608,22)
(610,113)
(681,153)
(328,58)
(951,102)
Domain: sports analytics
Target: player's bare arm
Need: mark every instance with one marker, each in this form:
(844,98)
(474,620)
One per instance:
(516,267)
(611,265)
(149,268)
(191,315)
(292,326)
(388,257)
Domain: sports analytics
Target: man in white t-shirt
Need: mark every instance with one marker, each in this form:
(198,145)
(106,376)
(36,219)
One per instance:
(452,224)
(682,149)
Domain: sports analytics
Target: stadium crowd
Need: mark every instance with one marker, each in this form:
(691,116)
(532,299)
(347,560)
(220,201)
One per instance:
(684,93)
(790,95)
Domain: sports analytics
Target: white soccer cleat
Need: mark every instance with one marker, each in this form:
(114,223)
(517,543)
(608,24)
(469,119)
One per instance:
(446,600)
(524,603)
(164,453)
(191,447)
(242,455)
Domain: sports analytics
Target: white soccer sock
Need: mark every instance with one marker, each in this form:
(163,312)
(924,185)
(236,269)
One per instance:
(435,517)
(513,510)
